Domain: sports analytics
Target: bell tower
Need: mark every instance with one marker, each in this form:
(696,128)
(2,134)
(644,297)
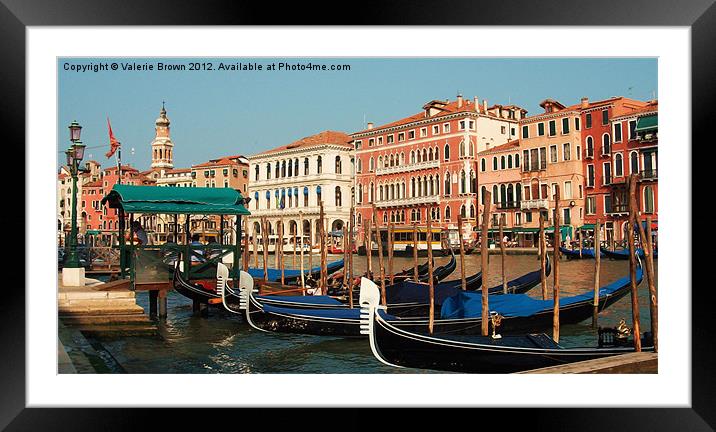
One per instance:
(162,145)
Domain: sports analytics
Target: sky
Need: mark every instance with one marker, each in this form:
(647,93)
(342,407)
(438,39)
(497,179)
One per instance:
(217,113)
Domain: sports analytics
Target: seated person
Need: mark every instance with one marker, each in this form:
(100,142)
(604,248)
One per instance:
(195,242)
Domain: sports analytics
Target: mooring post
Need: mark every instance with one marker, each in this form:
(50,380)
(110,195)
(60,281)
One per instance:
(381,264)
(431,283)
(368,248)
(543,256)
(153,303)
(484,263)
(463,282)
(632,264)
(502,252)
(557,243)
(597,269)
(163,304)
(416,275)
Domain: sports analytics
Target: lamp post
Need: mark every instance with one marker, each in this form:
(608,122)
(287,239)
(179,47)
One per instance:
(75,154)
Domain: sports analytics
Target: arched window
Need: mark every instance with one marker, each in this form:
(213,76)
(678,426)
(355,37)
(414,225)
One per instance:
(371,164)
(339,201)
(437,184)
(290,168)
(483,165)
(590,147)
(482,192)
(431,186)
(502,163)
(463,186)
(494,194)
(283,169)
(360,219)
(392,160)
(446,152)
(446,189)
(606,147)
(425,155)
(412,187)
(278,170)
(371,192)
(618,165)
(412,157)
(517,160)
(295,167)
(392,191)
(359,165)
(509,161)
(471,148)
(462,211)
(510,195)
(380,161)
(462,148)
(360,193)
(494,163)
(447,213)
(319,165)
(503,194)
(425,185)
(380,193)
(634,163)
(437,158)
(305,166)
(402,158)
(473,182)
(318,193)
(472,211)
(420,156)
(338,165)
(256,173)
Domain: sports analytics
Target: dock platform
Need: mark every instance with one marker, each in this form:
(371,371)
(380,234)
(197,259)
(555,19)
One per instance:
(632,363)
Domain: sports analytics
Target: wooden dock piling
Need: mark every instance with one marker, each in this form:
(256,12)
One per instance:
(483,257)
(381,264)
(324,252)
(632,263)
(557,242)
(350,258)
(597,269)
(463,282)
(429,238)
(543,256)
(416,275)
(390,250)
(368,248)
(502,252)
(648,268)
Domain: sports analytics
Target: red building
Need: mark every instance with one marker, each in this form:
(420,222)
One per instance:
(604,141)
(429,158)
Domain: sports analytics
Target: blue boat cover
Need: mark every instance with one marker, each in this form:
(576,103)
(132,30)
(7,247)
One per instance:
(308,299)
(274,275)
(468,304)
(340,313)
(412,292)
(586,252)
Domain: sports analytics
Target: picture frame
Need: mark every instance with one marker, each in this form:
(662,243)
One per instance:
(16,16)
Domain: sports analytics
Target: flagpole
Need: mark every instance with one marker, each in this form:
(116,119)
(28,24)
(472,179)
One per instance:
(119,165)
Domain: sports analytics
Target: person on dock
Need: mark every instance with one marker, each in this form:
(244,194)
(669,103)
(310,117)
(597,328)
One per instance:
(195,242)
(140,236)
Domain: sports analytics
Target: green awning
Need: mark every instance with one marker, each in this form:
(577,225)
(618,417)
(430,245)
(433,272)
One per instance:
(169,200)
(588,227)
(647,123)
(565,230)
(92,232)
(497,230)
(526,230)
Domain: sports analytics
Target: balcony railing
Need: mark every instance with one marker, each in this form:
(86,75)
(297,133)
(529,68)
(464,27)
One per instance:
(408,167)
(408,201)
(534,204)
(617,209)
(648,175)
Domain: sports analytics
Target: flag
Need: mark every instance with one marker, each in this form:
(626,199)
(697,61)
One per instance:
(113,143)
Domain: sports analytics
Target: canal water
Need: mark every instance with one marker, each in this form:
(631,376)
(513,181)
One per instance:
(221,343)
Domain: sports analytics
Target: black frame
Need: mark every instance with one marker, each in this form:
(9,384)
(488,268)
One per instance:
(15,15)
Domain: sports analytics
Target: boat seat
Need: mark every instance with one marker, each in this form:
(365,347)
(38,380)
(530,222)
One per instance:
(541,340)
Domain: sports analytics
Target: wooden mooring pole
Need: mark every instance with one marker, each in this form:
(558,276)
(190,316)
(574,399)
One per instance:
(597,269)
(416,275)
(368,248)
(483,258)
(324,252)
(303,279)
(632,264)
(279,250)
(246,245)
(345,258)
(543,256)
(463,282)
(381,264)
(502,252)
(431,286)
(255,242)
(580,242)
(390,249)
(555,288)
(265,247)
(350,258)
(646,245)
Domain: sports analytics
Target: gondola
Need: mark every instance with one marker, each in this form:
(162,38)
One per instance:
(398,347)
(302,314)
(292,276)
(574,253)
(623,254)
(201,290)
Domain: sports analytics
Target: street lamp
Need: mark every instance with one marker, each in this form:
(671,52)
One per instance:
(75,153)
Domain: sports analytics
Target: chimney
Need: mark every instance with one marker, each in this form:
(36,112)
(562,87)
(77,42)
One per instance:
(476,101)
(459,100)
(484,105)
(585,102)
(370,125)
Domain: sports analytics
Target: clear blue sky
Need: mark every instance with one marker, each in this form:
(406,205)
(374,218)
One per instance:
(217,113)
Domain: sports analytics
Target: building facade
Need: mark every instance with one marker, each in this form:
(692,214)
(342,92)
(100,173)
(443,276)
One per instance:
(290,181)
(428,159)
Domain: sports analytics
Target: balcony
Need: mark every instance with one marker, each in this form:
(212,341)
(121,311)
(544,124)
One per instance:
(406,202)
(647,175)
(407,167)
(617,209)
(534,204)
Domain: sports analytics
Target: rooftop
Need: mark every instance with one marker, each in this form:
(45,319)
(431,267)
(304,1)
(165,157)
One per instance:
(325,137)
